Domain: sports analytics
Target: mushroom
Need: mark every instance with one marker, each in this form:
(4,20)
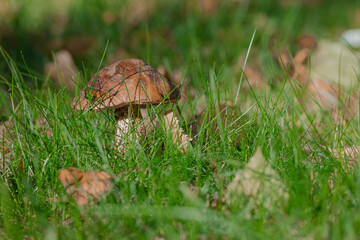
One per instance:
(130,86)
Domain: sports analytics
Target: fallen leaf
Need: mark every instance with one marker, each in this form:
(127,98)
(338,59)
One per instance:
(82,185)
(333,99)
(334,62)
(259,183)
(63,69)
(323,94)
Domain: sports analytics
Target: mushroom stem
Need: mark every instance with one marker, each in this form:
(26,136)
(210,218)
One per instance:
(124,131)
(130,129)
(179,138)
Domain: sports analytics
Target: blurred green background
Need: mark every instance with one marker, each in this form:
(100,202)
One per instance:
(175,32)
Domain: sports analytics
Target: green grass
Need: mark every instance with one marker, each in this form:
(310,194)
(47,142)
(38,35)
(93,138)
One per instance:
(158,191)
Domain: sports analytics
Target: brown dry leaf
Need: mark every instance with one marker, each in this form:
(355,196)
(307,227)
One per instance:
(254,77)
(259,183)
(63,69)
(82,185)
(284,60)
(307,41)
(328,95)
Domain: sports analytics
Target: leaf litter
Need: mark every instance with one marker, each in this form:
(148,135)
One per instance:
(85,185)
(259,183)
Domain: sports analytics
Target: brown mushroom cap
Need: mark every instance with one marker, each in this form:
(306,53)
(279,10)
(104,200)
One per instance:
(130,81)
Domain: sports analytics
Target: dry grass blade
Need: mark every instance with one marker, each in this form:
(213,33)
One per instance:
(82,185)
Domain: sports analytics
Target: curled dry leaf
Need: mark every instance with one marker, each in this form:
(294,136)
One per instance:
(62,69)
(259,183)
(82,185)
